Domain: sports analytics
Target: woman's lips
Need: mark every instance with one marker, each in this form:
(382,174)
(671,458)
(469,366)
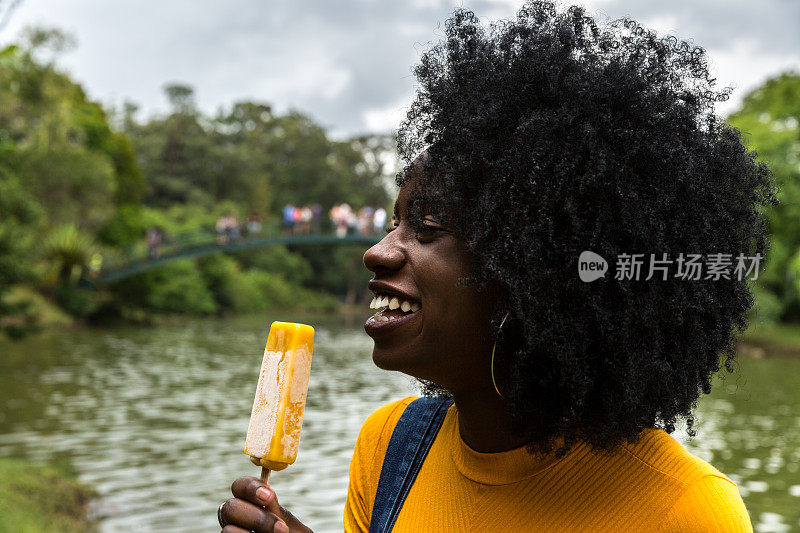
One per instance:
(376,326)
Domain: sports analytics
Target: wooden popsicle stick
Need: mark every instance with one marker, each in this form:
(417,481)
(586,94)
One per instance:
(265,474)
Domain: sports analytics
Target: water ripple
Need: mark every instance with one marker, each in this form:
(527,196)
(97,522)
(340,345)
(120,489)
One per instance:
(155,420)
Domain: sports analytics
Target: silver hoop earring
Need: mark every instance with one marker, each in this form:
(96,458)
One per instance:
(492,363)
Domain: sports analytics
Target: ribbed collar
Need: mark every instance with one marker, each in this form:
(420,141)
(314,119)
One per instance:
(500,468)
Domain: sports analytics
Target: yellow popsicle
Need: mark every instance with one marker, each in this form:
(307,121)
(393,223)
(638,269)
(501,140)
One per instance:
(273,436)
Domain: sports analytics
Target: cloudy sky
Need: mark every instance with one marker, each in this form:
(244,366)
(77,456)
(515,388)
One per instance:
(348,62)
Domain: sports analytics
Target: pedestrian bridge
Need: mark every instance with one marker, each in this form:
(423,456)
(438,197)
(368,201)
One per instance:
(126,268)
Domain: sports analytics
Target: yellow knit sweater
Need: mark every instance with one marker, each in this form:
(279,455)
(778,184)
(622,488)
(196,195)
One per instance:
(653,485)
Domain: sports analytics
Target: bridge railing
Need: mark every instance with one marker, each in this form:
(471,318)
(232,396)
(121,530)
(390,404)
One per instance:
(140,257)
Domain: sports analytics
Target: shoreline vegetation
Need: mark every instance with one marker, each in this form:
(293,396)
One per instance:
(36,497)
(761,339)
(770,340)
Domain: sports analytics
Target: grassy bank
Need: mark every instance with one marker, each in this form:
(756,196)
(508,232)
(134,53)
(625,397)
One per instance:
(38,498)
(781,339)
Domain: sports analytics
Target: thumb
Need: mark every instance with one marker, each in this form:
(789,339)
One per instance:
(269,500)
(255,491)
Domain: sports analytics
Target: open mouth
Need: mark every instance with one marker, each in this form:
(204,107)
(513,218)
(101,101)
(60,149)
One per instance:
(392,307)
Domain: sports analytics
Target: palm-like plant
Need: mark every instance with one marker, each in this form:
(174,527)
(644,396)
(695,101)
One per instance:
(69,248)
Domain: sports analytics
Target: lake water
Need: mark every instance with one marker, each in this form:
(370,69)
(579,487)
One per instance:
(155,420)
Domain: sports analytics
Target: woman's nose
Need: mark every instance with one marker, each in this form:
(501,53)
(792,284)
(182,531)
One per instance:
(386,256)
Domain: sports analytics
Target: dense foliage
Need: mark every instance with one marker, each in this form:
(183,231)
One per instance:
(80,186)
(60,166)
(770,120)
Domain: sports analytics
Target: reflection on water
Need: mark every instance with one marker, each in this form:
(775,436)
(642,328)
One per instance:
(155,419)
(750,430)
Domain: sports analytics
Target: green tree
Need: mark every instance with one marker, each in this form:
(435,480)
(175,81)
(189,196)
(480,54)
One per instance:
(176,287)
(308,167)
(57,141)
(20,216)
(63,174)
(769,118)
(175,153)
(252,156)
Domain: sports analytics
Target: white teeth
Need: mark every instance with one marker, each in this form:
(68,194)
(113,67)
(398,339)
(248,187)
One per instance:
(393,303)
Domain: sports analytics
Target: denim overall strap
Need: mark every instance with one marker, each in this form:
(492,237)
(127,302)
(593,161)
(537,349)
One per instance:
(409,445)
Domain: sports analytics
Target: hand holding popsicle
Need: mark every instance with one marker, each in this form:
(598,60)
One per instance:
(273,435)
(255,507)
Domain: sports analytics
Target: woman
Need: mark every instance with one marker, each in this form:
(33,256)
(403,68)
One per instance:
(549,147)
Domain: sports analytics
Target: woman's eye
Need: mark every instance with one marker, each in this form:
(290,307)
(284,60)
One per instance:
(391,227)
(428,233)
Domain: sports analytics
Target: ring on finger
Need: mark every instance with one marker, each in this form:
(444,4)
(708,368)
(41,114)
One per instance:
(219,516)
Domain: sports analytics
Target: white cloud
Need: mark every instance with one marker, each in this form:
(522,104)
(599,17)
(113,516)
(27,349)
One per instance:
(387,118)
(430,4)
(742,66)
(348,63)
(308,72)
(662,24)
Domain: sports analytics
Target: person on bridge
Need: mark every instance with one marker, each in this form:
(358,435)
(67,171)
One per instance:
(379,220)
(316,218)
(221,228)
(232,227)
(288,218)
(254,225)
(549,395)
(154,237)
(365,215)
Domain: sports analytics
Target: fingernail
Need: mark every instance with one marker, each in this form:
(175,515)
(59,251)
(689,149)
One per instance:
(264,495)
(280,527)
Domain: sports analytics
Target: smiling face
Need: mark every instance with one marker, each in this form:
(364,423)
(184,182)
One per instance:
(442,333)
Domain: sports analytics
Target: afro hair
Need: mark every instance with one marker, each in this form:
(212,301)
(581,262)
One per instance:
(548,135)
